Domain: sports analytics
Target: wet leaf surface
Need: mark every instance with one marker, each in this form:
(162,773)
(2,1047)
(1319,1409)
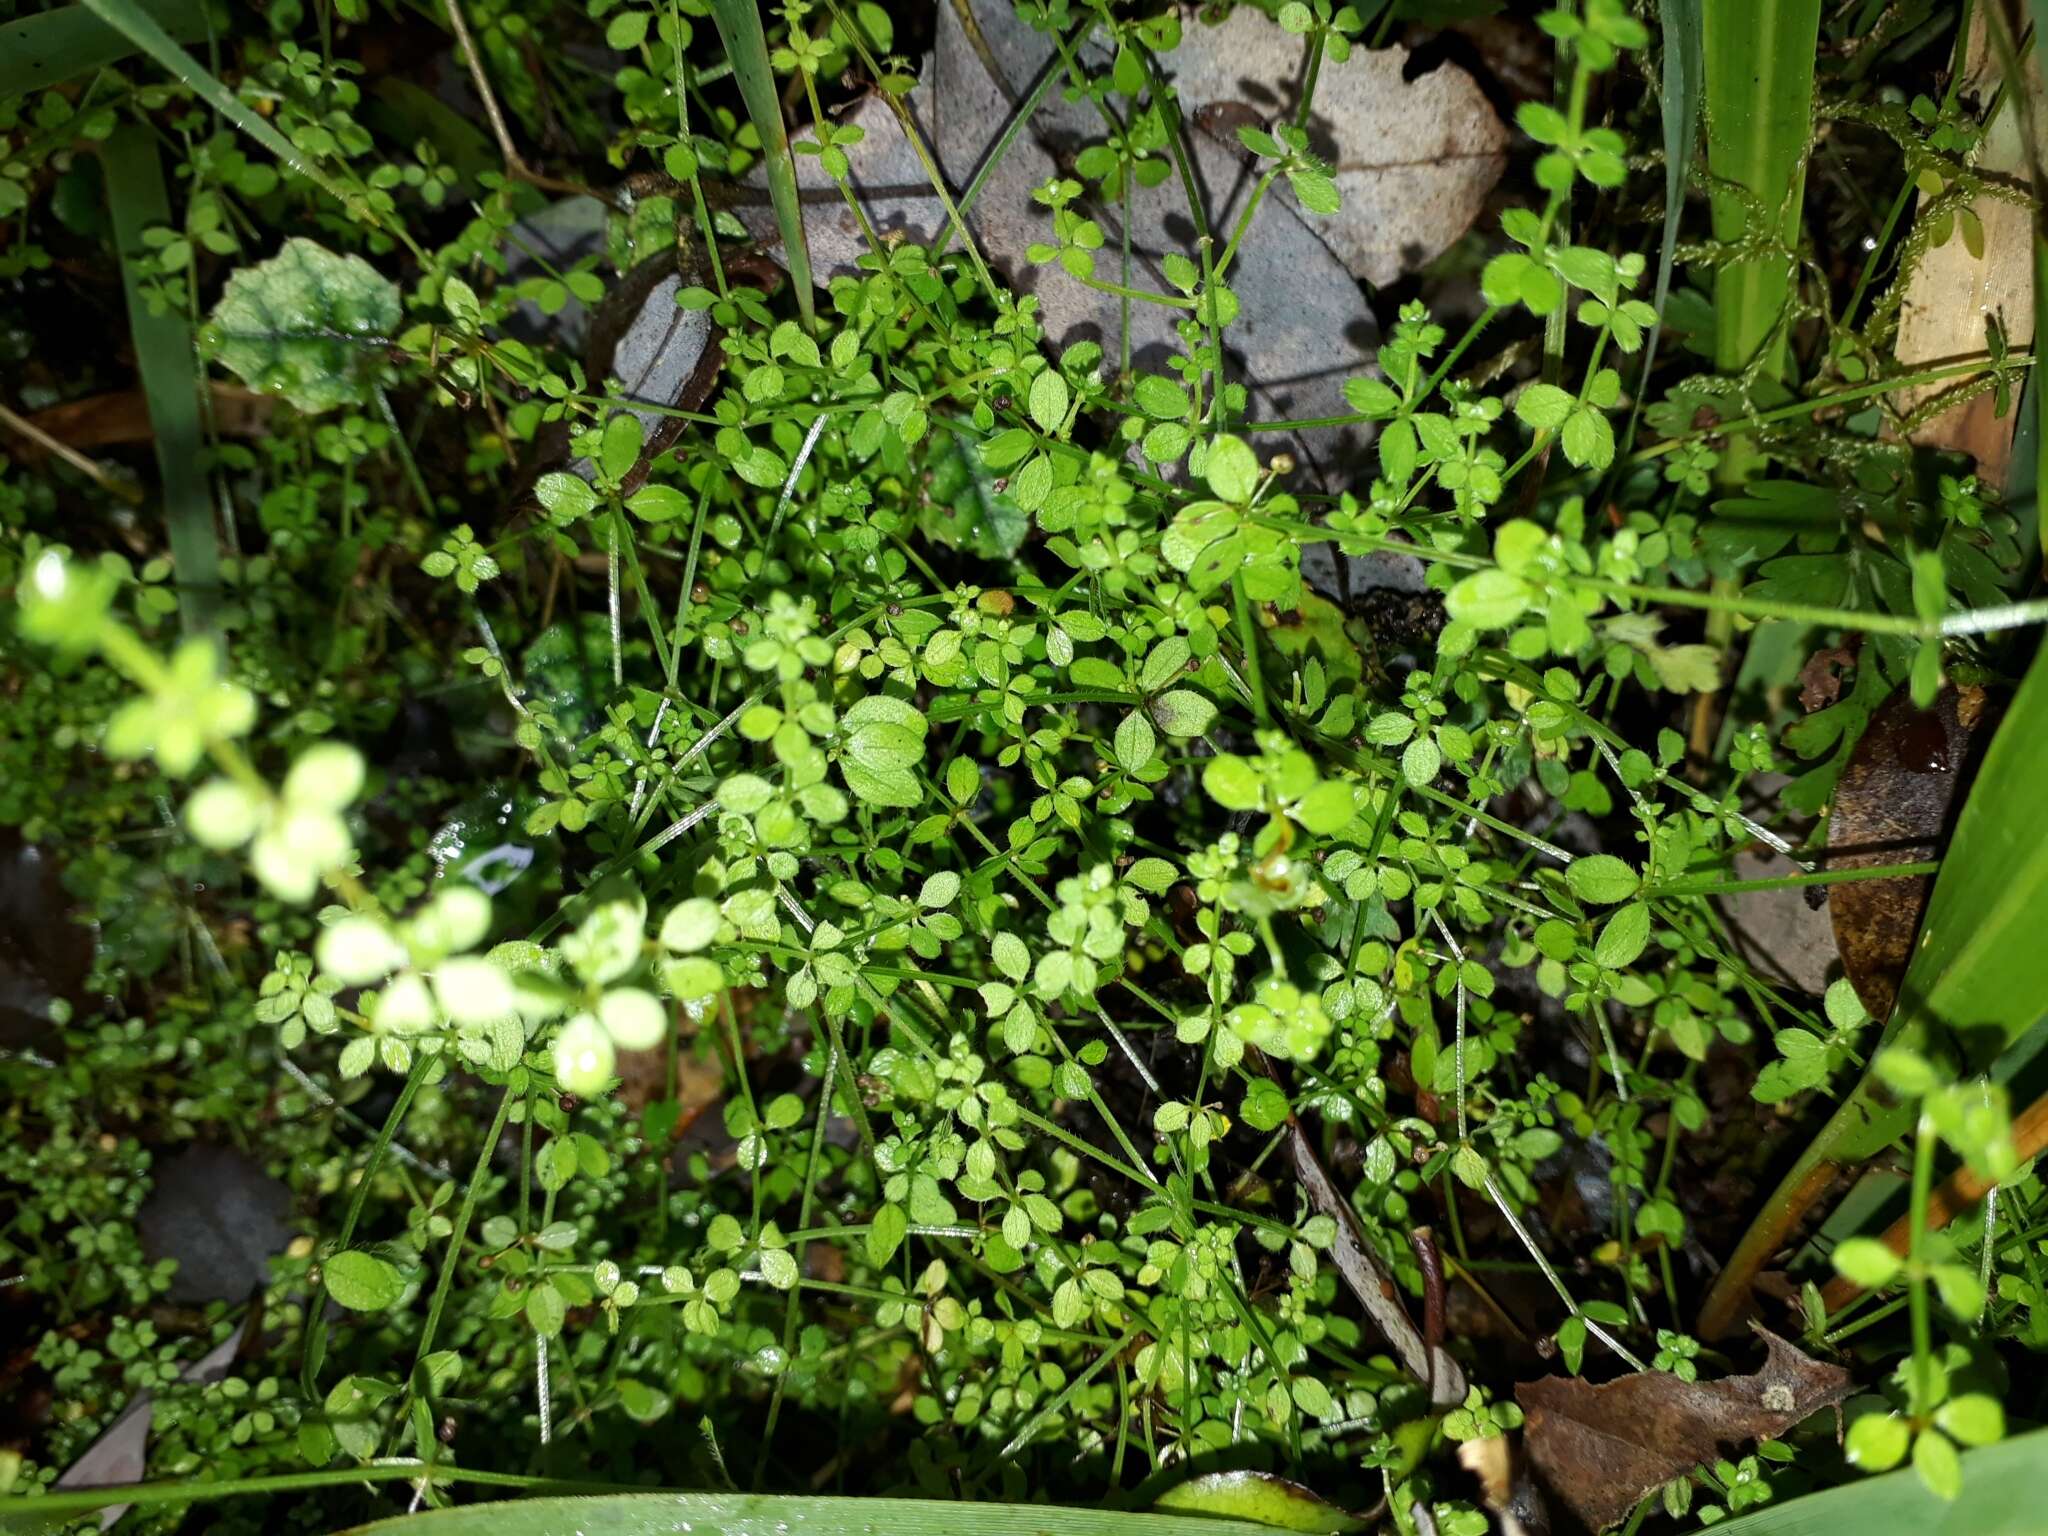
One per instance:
(307,324)
(1600,1449)
(1894,804)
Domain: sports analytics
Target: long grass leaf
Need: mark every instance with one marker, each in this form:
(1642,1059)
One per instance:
(54,46)
(730,1514)
(2001,1497)
(2039,8)
(1758,60)
(169,370)
(136,24)
(746,49)
(1683,80)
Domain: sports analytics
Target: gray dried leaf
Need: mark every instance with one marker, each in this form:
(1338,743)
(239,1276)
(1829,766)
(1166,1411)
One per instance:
(1303,328)
(221,1217)
(121,1454)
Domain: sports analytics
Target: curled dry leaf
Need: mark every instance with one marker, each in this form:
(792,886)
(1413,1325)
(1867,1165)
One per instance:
(1601,1449)
(1894,805)
(1506,1486)
(1413,160)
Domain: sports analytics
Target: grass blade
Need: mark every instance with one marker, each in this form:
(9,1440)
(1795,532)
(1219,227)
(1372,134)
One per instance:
(639,1514)
(1758,71)
(1978,968)
(746,49)
(136,24)
(51,47)
(1684,77)
(2039,8)
(1684,70)
(2001,1497)
(169,370)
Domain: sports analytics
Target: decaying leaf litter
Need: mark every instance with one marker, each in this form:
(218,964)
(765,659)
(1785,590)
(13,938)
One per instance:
(1601,1449)
(1414,161)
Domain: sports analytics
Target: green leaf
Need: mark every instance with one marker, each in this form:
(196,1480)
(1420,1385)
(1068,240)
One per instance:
(1420,760)
(1135,742)
(1328,808)
(1877,1442)
(2000,1498)
(1940,1468)
(1489,599)
(885,1234)
(1164,663)
(1049,401)
(891,787)
(1315,190)
(1975,1418)
(1758,79)
(1161,398)
(306,324)
(566,496)
(50,47)
(1011,957)
(964,509)
(137,199)
(1544,407)
(1601,878)
(1151,874)
(1183,712)
(1232,469)
(546,1311)
(361,1281)
(1371,398)
(745,45)
(1623,937)
(1865,1260)
(1588,439)
(619,448)
(1232,783)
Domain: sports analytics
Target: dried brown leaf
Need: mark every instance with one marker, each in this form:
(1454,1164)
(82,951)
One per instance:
(1602,1448)
(102,421)
(1893,805)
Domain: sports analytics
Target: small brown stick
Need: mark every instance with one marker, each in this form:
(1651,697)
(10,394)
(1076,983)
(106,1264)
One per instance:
(1961,1190)
(1423,1241)
(515,163)
(69,455)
